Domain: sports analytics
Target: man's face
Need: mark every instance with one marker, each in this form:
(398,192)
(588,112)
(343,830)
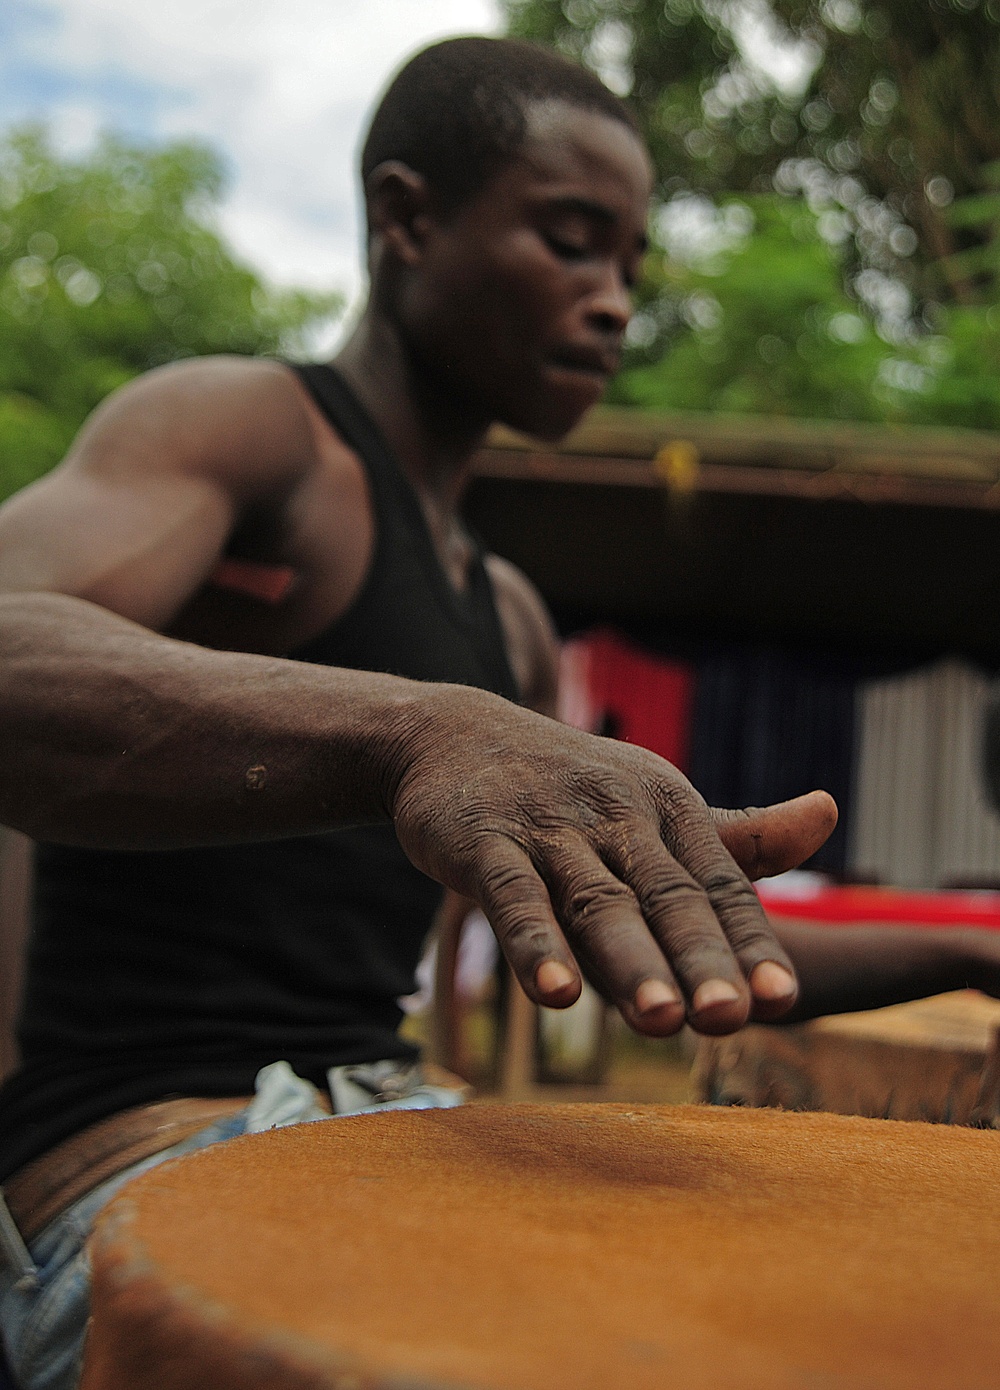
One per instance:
(523,294)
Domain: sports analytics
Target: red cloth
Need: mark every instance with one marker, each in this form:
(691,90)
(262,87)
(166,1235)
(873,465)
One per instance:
(269,583)
(885,905)
(648,698)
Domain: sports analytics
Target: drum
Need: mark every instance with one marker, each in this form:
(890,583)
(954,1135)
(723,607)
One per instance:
(935,1059)
(572,1247)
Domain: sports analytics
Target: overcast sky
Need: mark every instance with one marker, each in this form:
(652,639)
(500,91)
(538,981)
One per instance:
(280,87)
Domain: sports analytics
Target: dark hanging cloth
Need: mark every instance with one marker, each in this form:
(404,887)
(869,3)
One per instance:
(768,726)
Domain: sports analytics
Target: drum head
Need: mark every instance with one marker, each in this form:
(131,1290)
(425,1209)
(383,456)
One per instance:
(558,1248)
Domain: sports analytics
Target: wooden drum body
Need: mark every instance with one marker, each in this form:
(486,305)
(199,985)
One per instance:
(576,1247)
(935,1059)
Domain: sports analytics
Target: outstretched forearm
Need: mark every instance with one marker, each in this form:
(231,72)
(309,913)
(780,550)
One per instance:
(113,735)
(843,969)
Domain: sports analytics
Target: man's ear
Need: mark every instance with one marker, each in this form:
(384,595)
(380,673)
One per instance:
(399,212)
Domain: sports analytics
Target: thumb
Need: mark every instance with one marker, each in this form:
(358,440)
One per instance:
(770,839)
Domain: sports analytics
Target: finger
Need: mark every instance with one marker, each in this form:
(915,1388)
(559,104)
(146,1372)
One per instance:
(519,910)
(770,839)
(773,989)
(604,925)
(684,924)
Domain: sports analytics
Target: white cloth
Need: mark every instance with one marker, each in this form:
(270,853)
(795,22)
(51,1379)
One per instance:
(921,818)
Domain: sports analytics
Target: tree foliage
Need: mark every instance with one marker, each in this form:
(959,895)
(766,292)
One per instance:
(752,317)
(110,265)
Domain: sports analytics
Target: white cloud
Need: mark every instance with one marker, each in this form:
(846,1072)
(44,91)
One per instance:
(282,87)
(75,125)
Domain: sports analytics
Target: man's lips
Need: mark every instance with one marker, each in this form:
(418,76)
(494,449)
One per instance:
(591,361)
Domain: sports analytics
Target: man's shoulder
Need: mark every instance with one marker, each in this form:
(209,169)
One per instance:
(532,645)
(515,587)
(233,419)
(208,383)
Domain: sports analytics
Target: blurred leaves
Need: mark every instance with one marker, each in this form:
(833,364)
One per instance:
(762,325)
(109,265)
(745,309)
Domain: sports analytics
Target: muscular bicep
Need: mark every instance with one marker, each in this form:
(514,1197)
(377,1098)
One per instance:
(137,515)
(138,546)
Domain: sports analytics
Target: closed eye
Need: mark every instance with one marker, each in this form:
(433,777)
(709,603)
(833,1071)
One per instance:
(570,249)
(565,249)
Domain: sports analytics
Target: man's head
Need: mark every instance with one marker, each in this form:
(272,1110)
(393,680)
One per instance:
(458,111)
(507,195)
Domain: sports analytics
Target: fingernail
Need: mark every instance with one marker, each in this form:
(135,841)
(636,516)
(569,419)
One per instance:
(712,992)
(653,994)
(552,977)
(769,980)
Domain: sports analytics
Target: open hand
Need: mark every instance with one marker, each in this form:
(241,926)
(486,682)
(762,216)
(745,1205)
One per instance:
(596,856)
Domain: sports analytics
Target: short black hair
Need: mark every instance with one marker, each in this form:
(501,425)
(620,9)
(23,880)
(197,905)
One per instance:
(457,111)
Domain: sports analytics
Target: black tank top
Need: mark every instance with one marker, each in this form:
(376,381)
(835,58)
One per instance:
(184,972)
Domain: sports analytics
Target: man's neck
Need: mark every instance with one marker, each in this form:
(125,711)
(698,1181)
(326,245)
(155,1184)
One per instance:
(432,438)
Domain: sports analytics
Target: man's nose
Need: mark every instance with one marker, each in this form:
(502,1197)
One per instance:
(610,306)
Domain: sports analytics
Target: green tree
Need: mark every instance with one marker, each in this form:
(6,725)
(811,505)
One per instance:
(905,97)
(109,265)
(752,317)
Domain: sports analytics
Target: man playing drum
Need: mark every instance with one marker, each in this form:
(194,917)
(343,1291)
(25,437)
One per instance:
(261,694)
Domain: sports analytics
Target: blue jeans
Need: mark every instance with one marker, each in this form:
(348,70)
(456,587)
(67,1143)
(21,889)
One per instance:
(45,1289)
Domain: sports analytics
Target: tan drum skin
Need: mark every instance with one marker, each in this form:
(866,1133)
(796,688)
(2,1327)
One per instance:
(571,1247)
